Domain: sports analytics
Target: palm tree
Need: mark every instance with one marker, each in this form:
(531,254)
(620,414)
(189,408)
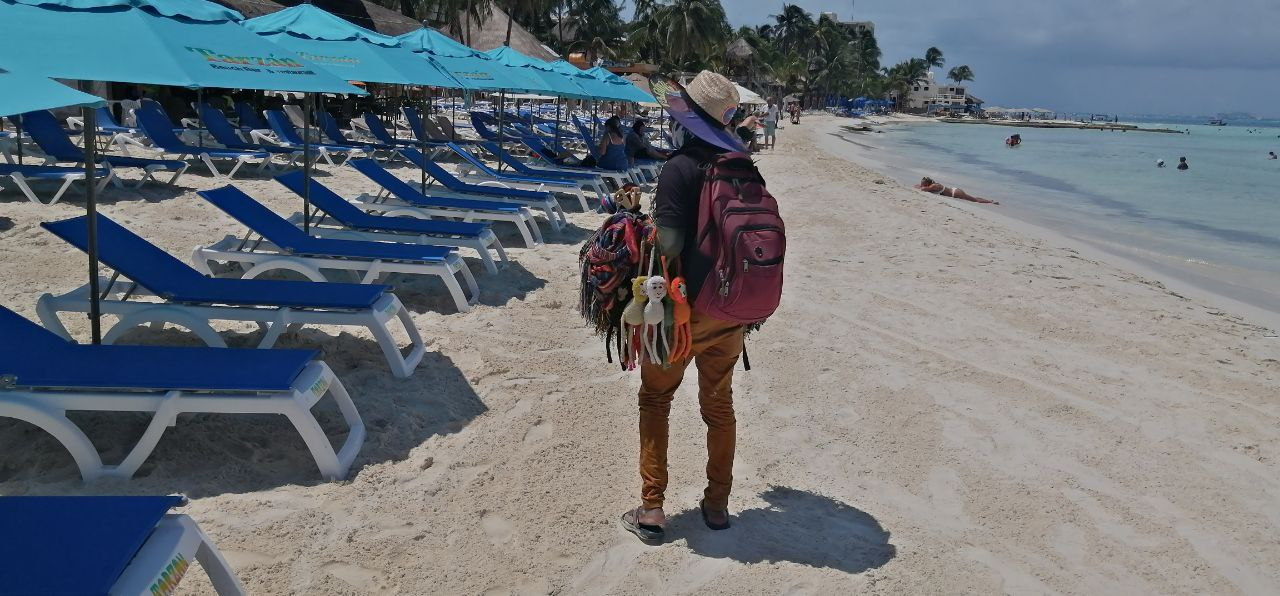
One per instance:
(691,30)
(961,74)
(521,8)
(793,29)
(933,58)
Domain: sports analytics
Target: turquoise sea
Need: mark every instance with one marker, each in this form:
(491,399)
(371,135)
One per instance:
(1215,226)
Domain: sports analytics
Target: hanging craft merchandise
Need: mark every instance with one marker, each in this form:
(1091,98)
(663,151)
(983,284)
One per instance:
(627,294)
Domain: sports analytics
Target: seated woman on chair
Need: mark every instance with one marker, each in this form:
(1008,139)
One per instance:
(928,185)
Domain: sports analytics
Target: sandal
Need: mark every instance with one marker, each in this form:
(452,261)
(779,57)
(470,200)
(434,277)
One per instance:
(702,506)
(647,533)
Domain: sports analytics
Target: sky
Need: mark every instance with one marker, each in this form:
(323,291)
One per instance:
(1179,57)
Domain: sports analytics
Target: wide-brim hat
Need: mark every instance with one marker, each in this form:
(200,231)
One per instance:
(704,106)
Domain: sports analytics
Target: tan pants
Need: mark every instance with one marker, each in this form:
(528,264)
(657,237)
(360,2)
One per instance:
(716,347)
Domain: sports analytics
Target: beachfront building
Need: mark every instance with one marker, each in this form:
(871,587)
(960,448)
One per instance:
(927,94)
(854,28)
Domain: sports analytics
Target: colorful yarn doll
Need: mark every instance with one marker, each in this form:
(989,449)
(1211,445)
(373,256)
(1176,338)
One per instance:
(655,289)
(681,313)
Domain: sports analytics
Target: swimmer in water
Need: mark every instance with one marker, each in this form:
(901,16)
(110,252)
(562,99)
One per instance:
(1271,155)
(928,185)
(1182,164)
(1159,163)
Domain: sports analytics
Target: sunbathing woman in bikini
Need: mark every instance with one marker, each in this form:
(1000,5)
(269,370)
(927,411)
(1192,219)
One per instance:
(928,185)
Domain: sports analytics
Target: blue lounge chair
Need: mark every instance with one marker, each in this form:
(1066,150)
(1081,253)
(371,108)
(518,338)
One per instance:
(45,376)
(48,134)
(489,190)
(541,151)
(249,120)
(288,136)
(104,545)
(380,133)
(22,175)
(486,126)
(398,198)
(355,224)
(225,134)
(284,247)
(474,169)
(193,301)
(422,129)
(523,168)
(121,136)
(329,126)
(158,128)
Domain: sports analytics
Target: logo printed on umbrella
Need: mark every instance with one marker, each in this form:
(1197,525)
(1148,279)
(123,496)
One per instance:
(269,61)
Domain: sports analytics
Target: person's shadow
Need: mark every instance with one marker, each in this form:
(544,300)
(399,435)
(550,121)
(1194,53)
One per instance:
(797,526)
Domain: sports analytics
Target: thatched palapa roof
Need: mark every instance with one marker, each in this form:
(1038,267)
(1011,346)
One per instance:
(365,14)
(739,51)
(491,32)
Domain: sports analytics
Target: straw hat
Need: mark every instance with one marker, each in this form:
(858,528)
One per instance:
(715,95)
(704,107)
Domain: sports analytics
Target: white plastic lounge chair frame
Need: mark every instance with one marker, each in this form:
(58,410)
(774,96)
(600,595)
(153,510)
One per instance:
(23,185)
(482,245)
(176,538)
(267,162)
(274,321)
(384,203)
(47,409)
(260,256)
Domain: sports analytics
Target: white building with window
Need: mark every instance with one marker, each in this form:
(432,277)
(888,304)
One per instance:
(928,92)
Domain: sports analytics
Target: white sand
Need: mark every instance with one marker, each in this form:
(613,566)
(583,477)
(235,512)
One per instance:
(941,405)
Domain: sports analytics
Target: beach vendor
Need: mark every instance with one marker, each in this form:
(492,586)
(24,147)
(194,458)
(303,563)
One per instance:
(700,117)
(927,184)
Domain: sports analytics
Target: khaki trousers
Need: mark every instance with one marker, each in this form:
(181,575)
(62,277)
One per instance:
(716,347)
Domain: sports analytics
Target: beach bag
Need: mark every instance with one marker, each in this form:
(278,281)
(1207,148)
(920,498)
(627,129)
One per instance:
(742,237)
(608,263)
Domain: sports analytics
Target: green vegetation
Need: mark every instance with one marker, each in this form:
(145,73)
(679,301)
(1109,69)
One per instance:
(790,53)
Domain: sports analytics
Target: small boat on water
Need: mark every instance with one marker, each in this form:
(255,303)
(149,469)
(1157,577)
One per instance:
(1217,122)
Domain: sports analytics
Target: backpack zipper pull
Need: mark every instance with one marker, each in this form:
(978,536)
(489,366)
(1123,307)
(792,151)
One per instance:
(744,265)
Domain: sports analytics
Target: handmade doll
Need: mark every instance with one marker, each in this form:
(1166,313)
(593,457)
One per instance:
(681,312)
(655,289)
(633,319)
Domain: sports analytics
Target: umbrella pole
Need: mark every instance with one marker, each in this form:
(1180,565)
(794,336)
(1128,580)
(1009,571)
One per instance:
(422,142)
(306,164)
(91,217)
(558,120)
(453,124)
(17,129)
(502,102)
(199,117)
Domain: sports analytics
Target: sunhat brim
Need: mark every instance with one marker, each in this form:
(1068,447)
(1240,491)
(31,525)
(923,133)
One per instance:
(676,102)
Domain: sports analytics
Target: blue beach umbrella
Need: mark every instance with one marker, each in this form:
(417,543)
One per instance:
(623,86)
(598,89)
(347,50)
(471,68)
(350,51)
(22,92)
(184,43)
(552,82)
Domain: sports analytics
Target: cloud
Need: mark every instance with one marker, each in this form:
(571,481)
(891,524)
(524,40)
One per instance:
(1090,55)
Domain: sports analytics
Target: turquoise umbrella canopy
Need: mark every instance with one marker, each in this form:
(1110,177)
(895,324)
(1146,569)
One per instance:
(347,50)
(473,69)
(185,43)
(597,88)
(21,93)
(622,85)
(552,82)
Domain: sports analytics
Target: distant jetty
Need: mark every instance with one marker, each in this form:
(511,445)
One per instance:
(1060,124)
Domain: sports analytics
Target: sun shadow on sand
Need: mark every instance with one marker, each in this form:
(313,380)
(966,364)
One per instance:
(797,526)
(6,224)
(211,454)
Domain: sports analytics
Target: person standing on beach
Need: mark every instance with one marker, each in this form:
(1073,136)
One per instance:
(771,115)
(1182,164)
(700,115)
